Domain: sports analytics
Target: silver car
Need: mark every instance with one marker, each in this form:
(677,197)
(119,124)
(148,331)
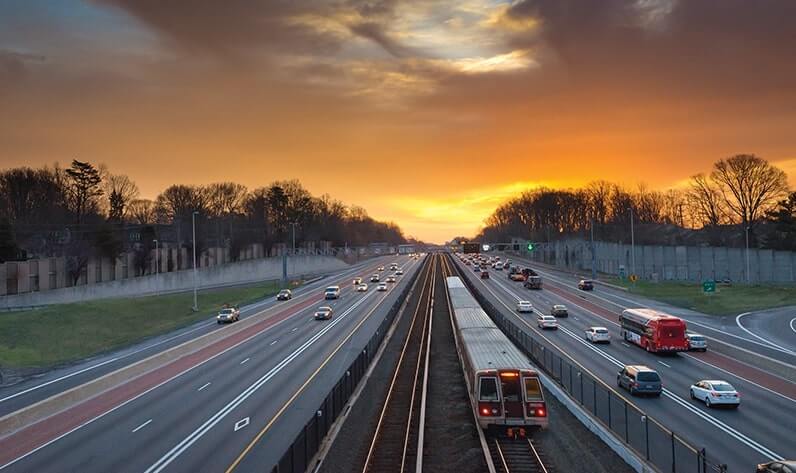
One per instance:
(696,342)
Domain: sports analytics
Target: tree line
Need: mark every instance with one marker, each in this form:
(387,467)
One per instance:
(743,194)
(85,210)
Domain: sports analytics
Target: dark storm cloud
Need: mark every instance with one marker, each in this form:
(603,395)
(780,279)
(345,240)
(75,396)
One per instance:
(375,32)
(232,26)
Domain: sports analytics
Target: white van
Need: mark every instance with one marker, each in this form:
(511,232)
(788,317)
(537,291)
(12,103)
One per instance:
(332,292)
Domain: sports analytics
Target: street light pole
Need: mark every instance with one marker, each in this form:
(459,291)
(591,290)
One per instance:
(593,255)
(157,267)
(195,280)
(294,237)
(748,276)
(632,243)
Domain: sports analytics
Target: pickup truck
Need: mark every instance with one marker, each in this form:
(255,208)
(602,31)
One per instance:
(228,314)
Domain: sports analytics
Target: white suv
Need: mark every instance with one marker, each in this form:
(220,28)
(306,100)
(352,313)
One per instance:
(598,335)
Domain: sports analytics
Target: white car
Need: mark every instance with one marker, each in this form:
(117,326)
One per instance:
(399,272)
(357,281)
(524,306)
(381,268)
(332,292)
(228,314)
(391,279)
(362,288)
(598,335)
(382,286)
(547,321)
(715,392)
(375,278)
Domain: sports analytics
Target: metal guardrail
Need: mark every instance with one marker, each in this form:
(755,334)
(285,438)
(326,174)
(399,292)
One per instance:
(660,447)
(308,441)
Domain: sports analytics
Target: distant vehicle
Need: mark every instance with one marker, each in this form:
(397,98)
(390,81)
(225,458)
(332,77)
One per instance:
(547,321)
(362,288)
(381,268)
(228,314)
(532,280)
(381,287)
(515,274)
(714,392)
(586,285)
(499,266)
(696,342)
(477,269)
(787,466)
(653,331)
(393,266)
(391,279)
(467,262)
(524,306)
(357,281)
(375,278)
(332,292)
(640,379)
(484,274)
(598,335)
(399,272)
(284,295)
(559,310)
(323,313)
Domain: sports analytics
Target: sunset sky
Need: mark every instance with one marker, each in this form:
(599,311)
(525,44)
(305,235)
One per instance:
(427,113)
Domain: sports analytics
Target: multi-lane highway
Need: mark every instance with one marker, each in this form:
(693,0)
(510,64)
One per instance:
(13,398)
(761,429)
(238,404)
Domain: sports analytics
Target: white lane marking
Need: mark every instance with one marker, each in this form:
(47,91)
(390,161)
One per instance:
(793,327)
(294,329)
(769,342)
(142,426)
(119,406)
(637,304)
(178,449)
(707,417)
(204,386)
(244,361)
(737,376)
(39,386)
(139,350)
(273,343)
(664,364)
(241,423)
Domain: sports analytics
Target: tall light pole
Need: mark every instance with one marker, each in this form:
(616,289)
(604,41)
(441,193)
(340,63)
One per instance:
(593,256)
(195,280)
(748,276)
(294,236)
(157,267)
(632,243)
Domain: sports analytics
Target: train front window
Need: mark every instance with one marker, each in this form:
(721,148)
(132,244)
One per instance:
(533,390)
(488,390)
(511,389)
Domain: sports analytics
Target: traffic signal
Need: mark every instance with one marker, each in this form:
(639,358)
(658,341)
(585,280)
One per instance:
(531,247)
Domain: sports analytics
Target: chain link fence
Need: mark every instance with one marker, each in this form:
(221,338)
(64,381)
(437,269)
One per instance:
(648,438)
(309,439)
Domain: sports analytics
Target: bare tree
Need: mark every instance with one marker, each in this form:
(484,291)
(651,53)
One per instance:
(750,185)
(121,191)
(225,198)
(705,201)
(141,211)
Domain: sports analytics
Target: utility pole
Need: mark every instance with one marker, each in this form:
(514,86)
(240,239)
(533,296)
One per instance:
(157,267)
(294,237)
(593,255)
(632,243)
(748,276)
(195,276)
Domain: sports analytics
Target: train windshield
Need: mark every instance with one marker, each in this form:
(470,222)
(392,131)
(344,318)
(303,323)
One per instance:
(488,390)
(533,390)
(511,388)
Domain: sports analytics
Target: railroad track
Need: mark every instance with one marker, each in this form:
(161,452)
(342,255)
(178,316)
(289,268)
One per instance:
(516,456)
(397,444)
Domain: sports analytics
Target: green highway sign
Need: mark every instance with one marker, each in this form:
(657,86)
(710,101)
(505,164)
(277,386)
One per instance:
(709,286)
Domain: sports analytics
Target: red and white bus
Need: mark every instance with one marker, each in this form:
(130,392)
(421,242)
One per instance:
(653,330)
